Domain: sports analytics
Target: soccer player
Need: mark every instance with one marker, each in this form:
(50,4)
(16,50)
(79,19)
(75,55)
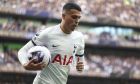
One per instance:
(65,44)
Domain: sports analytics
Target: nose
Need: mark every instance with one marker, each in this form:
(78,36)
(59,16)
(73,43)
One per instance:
(77,21)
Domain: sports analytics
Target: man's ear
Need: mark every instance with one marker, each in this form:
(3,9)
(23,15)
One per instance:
(63,16)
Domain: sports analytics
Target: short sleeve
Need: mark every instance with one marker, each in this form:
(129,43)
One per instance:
(40,38)
(81,46)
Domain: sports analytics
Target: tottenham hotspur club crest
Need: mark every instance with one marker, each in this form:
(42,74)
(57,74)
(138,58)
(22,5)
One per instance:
(74,48)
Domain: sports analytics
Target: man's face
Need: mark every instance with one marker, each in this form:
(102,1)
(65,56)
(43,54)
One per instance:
(71,19)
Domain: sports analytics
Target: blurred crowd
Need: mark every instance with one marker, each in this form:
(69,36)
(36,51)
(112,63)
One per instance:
(9,61)
(104,35)
(111,66)
(18,28)
(126,12)
(113,36)
(96,65)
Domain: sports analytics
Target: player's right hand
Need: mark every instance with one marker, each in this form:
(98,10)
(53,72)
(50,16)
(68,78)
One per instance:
(32,65)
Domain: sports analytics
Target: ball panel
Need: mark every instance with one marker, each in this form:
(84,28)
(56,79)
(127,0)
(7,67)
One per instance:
(39,53)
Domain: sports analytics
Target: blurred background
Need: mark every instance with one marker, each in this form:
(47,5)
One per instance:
(111,30)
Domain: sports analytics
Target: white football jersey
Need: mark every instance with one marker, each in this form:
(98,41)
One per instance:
(63,48)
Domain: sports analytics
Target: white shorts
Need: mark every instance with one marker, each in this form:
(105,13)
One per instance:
(39,80)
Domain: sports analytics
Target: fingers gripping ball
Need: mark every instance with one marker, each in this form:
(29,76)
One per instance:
(39,54)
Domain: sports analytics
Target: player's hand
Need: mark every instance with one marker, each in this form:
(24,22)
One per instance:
(32,65)
(80,66)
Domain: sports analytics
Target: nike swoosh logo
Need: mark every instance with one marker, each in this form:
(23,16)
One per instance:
(55,45)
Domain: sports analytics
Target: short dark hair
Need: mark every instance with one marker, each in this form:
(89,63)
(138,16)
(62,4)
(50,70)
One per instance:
(71,5)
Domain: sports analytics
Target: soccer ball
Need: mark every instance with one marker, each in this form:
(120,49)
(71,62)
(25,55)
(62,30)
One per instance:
(40,54)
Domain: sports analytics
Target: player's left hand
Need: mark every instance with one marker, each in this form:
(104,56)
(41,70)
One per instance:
(80,66)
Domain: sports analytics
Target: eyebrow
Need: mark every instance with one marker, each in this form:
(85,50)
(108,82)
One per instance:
(79,16)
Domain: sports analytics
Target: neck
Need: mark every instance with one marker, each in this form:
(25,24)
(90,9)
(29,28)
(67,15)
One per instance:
(64,29)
